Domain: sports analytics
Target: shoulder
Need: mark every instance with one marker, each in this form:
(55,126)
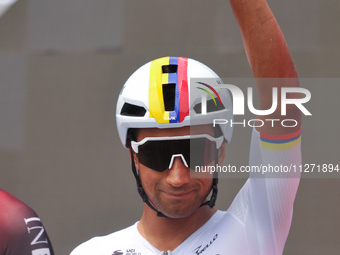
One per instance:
(111,242)
(21,230)
(13,211)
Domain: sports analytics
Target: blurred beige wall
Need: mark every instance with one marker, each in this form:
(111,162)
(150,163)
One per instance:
(62,67)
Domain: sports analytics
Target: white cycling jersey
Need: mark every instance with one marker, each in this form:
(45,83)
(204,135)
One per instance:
(257,222)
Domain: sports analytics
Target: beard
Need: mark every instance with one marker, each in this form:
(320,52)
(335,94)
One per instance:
(178,207)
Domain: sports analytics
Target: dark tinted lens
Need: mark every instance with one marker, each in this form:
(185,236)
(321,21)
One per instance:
(202,152)
(157,154)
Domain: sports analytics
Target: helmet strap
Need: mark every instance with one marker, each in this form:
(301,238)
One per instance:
(214,188)
(140,187)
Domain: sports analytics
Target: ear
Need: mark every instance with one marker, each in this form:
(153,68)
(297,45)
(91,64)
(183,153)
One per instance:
(221,154)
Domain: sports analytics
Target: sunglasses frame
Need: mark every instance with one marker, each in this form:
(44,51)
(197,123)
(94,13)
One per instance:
(218,140)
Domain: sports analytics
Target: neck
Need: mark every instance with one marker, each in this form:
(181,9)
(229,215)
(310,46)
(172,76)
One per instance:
(167,233)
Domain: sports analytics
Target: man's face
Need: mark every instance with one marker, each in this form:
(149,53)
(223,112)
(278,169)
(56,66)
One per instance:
(172,191)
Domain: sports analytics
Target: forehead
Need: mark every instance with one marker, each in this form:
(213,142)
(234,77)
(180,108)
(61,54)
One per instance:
(164,132)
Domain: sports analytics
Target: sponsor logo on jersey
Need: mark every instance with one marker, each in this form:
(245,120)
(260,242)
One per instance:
(119,252)
(36,230)
(200,249)
(128,252)
(42,251)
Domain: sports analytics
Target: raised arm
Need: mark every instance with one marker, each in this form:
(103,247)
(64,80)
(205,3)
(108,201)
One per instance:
(269,200)
(269,57)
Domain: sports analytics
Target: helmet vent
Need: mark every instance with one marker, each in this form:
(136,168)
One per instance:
(132,110)
(169,96)
(169,69)
(211,107)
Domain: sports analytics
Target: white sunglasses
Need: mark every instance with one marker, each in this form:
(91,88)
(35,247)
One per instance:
(157,151)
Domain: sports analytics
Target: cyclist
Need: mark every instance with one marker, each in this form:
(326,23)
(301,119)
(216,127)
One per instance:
(159,123)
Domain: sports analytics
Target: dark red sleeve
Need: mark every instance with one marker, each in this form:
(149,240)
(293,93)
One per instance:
(21,230)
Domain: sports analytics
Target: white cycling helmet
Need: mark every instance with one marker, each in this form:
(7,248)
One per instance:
(168,93)
(164,93)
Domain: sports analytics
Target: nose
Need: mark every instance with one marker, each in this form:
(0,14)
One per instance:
(179,174)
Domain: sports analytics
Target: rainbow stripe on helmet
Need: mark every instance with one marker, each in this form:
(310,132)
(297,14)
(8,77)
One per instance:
(156,82)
